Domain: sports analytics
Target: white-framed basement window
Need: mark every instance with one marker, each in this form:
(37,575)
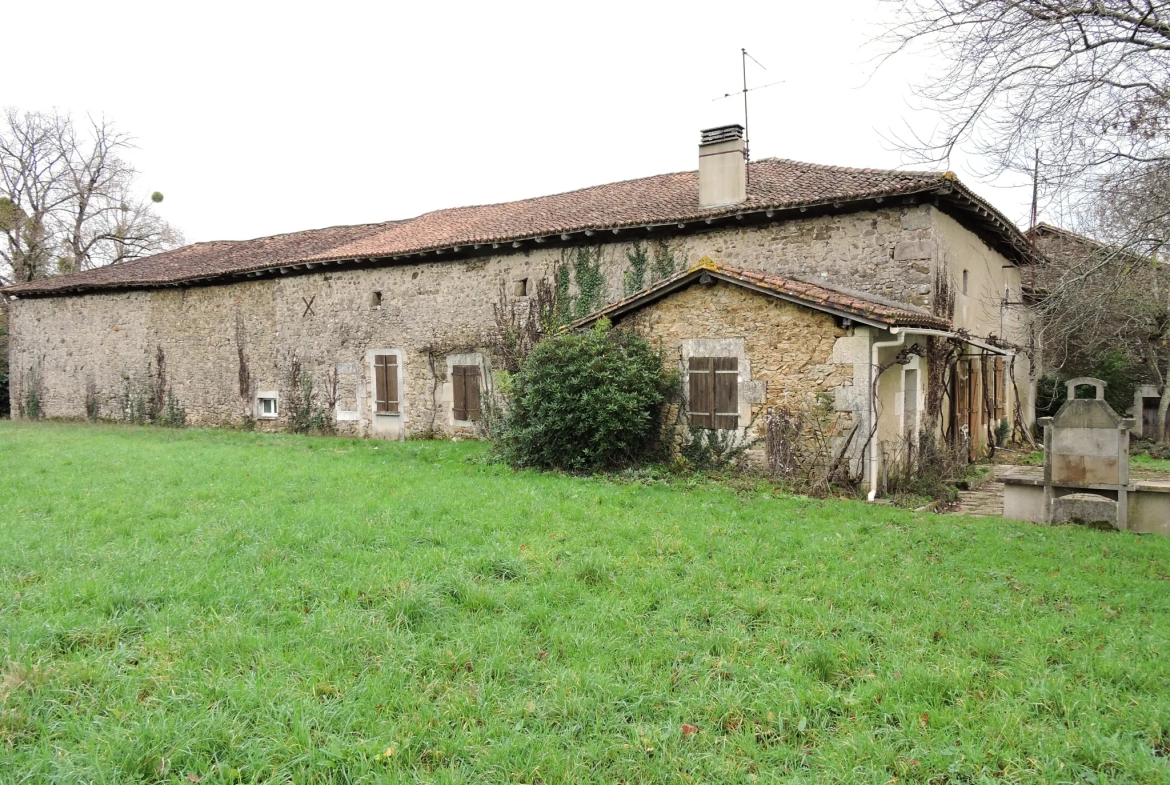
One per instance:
(267,405)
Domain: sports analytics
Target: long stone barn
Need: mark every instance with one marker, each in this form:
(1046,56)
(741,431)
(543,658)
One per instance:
(396,325)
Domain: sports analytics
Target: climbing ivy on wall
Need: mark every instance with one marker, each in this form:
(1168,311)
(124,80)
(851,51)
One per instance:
(635,278)
(665,260)
(563,307)
(590,281)
(647,267)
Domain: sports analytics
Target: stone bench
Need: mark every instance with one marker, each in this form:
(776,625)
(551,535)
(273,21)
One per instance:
(1147,502)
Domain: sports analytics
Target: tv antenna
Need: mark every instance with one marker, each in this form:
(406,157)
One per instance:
(744,57)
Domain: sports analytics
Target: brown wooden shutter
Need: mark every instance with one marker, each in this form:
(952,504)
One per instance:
(471,384)
(975,406)
(701,392)
(380,391)
(961,394)
(392,398)
(1000,388)
(386,383)
(726,392)
(465,392)
(459,391)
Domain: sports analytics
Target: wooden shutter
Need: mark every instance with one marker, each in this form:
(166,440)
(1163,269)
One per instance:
(465,392)
(471,384)
(713,401)
(961,394)
(459,391)
(975,388)
(1000,388)
(726,392)
(701,392)
(386,383)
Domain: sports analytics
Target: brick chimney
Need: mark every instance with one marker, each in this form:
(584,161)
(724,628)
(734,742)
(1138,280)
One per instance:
(722,167)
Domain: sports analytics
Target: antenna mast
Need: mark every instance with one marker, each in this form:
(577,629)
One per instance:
(747,137)
(744,57)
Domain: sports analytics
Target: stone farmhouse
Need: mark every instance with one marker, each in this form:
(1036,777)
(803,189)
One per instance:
(782,283)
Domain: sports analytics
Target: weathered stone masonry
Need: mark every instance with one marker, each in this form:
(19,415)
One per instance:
(428,311)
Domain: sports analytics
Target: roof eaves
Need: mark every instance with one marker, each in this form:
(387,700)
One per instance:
(942,186)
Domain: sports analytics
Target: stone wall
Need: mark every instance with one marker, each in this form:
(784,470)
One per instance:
(785,351)
(215,337)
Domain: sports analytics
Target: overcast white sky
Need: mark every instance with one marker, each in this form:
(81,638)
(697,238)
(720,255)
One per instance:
(257,118)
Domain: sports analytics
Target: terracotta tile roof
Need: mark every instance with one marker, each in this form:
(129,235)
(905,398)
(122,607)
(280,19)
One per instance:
(862,307)
(660,200)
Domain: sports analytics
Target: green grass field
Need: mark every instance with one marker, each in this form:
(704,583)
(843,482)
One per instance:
(181,606)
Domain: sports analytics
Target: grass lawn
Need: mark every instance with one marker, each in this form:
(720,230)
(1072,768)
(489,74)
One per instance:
(1144,461)
(230,607)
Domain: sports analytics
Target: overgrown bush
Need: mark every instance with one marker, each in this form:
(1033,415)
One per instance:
(173,415)
(807,450)
(708,449)
(30,404)
(923,465)
(587,401)
(306,414)
(92,404)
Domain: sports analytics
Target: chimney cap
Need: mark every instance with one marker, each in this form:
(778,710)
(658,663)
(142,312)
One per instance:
(722,133)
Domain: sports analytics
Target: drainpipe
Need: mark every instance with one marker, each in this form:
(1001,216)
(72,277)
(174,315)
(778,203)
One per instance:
(873,405)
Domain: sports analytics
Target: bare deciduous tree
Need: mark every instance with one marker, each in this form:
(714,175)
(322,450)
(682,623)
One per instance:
(67,198)
(1087,82)
(1085,86)
(1114,292)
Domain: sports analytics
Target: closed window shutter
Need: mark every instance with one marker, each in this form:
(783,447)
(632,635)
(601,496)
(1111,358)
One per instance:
(726,392)
(961,395)
(392,400)
(380,391)
(701,392)
(459,391)
(1000,388)
(977,409)
(471,384)
(386,383)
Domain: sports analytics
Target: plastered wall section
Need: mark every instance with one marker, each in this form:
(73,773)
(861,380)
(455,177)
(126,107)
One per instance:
(428,310)
(992,280)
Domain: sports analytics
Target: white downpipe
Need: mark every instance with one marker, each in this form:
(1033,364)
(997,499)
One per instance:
(873,405)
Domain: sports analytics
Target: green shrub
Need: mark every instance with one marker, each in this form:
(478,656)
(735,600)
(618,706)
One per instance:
(587,401)
(708,449)
(1003,432)
(174,415)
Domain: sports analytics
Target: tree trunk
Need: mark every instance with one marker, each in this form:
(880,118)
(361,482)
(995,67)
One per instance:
(1163,407)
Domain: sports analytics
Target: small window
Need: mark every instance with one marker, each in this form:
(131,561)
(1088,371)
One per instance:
(266,405)
(386,384)
(465,393)
(964,282)
(375,300)
(713,385)
(520,288)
